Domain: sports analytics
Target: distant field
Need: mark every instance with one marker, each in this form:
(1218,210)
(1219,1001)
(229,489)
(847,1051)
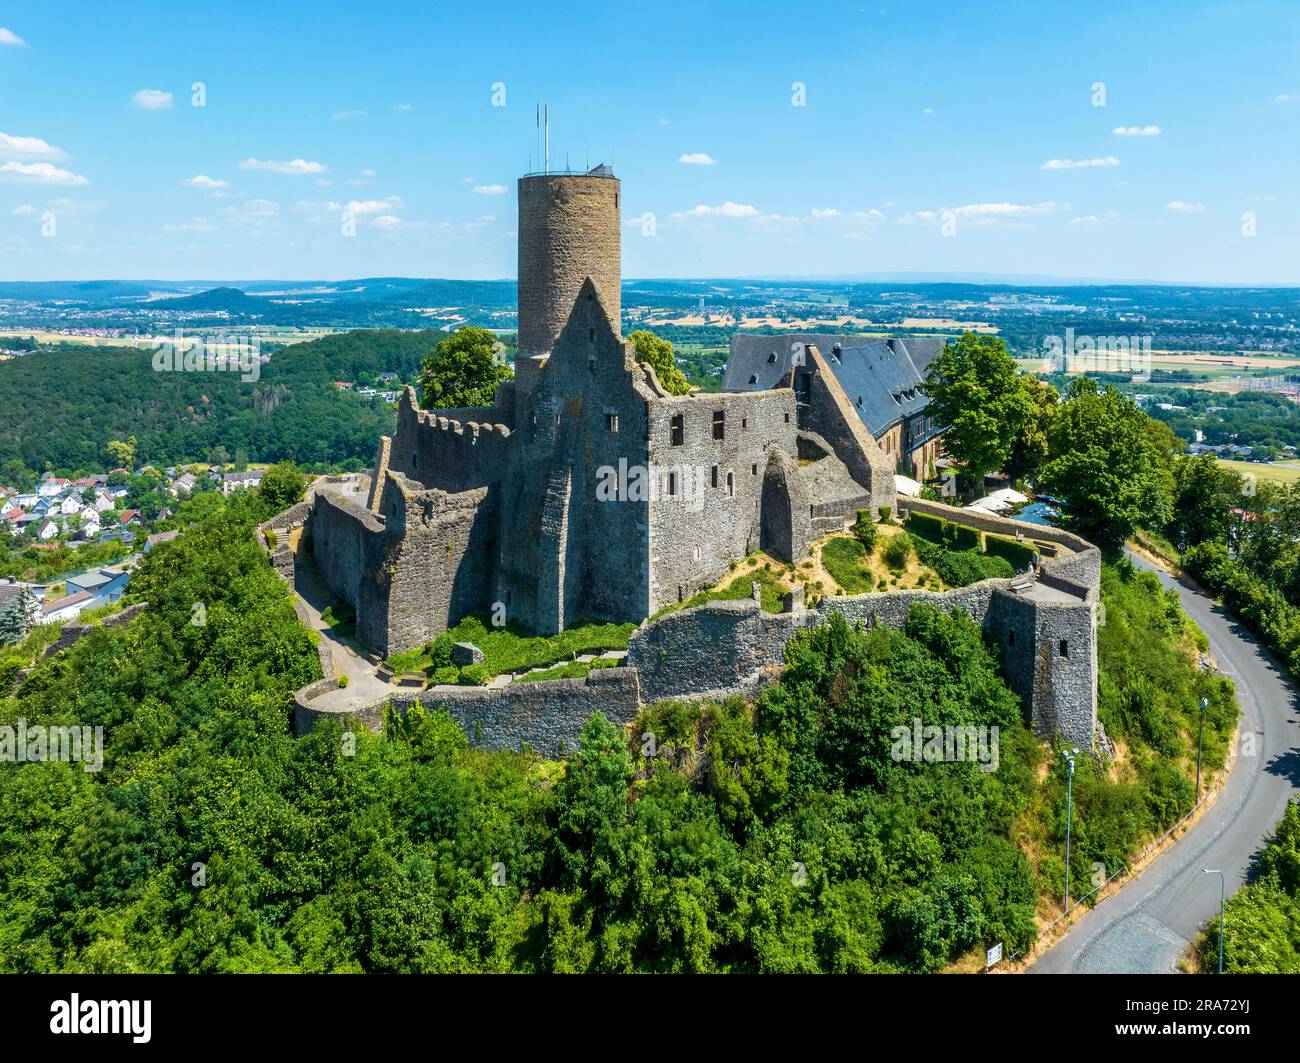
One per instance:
(1217,366)
(1278,472)
(268,336)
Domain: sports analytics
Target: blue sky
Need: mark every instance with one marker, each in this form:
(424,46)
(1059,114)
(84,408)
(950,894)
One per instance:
(933,137)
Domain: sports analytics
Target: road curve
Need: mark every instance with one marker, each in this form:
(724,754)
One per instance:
(1148,924)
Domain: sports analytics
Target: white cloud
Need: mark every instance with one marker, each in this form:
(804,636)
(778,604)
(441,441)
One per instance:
(41,173)
(343,116)
(25,208)
(697,158)
(723,210)
(983,214)
(927,110)
(485,218)
(829,212)
(153,99)
(1077,164)
(490,190)
(1004,210)
(387,222)
(1137,131)
(205,182)
(29,148)
(1264,199)
(10,37)
(402,107)
(1093,219)
(374,206)
(1286,97)
(1179,207)
(369,173)
(294,166)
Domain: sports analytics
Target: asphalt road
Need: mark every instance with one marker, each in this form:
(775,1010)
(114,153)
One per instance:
(1147,925)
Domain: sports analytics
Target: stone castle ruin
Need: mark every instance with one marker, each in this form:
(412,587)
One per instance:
(587,493)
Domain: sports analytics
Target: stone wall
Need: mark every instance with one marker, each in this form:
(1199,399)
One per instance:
(1047,646)
(438,565)
(723,485)
(546,716)
(344,536)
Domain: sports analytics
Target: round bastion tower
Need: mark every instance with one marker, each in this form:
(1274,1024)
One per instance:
(568,231)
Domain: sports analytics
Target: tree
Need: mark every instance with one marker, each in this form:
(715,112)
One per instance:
(974,390)
(1029,451)
(1109,465)
(17,617)
(1204,493)
(122,452)
(282,486)
(463,370)
(658,353)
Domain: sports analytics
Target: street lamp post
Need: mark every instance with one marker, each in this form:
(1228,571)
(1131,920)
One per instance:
(1199,732)
(1068,754)
(1213,871)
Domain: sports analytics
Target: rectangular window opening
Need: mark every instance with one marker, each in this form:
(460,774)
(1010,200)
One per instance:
(678,429)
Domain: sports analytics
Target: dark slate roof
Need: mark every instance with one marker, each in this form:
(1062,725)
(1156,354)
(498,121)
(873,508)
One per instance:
(882,378)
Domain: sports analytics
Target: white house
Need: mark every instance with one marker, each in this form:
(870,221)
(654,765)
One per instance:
(232,481)
(66,608)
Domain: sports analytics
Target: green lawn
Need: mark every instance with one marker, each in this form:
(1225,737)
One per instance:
(508,649)
(846,560)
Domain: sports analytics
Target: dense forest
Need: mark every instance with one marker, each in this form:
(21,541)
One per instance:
(61,406)
(779,834)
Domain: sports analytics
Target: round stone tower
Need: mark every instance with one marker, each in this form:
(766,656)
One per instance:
(568,231)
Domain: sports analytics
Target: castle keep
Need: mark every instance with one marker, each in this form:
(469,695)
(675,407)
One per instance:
(586,491)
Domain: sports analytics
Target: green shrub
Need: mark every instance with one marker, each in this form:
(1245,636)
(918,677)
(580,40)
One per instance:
(271,540)
(898,550)
(344,680)
(960,568)
(962,537)
(927,527)
(474,675)
(884,512)
(1018,553)
(845,560)
(864,529)
(440,652)
(445,676)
